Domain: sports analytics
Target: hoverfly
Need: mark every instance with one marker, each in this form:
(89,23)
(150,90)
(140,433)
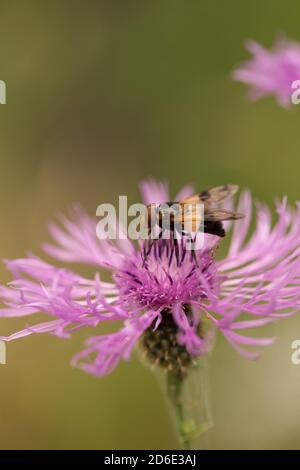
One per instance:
(185,213)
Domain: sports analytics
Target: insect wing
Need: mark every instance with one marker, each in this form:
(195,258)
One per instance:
(212,196)
(221,214)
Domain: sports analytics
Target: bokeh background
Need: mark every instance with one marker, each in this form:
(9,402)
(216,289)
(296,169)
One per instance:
(101,94)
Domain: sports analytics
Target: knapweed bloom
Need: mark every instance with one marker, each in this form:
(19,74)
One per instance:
(271,72)
(169,305)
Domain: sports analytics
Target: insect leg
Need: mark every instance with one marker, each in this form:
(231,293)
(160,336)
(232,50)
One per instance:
(193,250)
(176,248)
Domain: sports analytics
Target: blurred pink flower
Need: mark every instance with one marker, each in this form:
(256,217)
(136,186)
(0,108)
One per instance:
(256,283)
(271,72)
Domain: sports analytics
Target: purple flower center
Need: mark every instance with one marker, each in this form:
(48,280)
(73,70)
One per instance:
(164,275)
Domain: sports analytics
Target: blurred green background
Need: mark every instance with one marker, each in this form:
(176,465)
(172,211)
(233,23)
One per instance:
(99,95)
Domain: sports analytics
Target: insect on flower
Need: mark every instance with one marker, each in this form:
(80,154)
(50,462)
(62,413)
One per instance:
(200,212)
(251,280)
(171,305)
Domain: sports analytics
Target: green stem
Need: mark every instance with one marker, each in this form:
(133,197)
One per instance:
(174,391)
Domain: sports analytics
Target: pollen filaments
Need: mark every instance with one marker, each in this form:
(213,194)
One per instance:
(174,250)
(161,346)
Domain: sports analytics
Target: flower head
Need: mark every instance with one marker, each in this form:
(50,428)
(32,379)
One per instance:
(271,72)
(172,302)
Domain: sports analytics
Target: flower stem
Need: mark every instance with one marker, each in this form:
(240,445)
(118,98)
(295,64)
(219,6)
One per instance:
(174,392)
(183,378)
(187,395)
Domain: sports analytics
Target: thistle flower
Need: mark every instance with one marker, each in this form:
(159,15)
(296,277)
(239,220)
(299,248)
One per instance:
(170,304)
(167,303)
(271,72)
